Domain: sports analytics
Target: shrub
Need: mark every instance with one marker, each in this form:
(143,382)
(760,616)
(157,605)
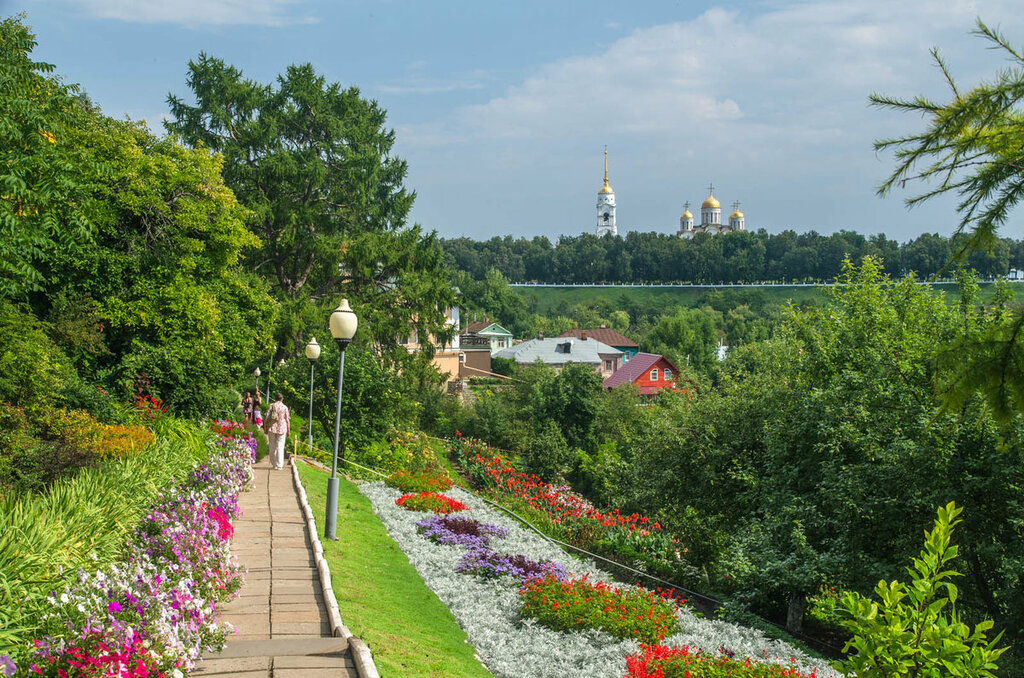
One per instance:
(579,604)
(659,661)
(486,563)
(430,501)
(916,630)
(427,481)
(458,531)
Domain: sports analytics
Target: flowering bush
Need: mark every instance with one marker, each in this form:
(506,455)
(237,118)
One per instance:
(658,661)
(81,431)
(562,506)
(154,613)
(486,563)
(148,408)
(426,481)
(466,532)
(94,657)
(429,501)
(581,604)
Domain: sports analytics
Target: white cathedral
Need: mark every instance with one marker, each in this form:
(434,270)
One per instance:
(711,218)
(710,213)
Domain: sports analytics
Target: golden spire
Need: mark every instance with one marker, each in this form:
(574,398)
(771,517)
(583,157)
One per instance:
(606,188)
(686,214)
(736,210)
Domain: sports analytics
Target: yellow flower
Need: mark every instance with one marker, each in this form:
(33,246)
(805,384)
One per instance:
(48,136)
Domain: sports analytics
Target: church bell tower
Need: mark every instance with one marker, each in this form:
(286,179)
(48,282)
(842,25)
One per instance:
(606,204)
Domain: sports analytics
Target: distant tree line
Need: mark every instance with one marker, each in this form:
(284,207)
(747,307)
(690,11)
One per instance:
(741,257)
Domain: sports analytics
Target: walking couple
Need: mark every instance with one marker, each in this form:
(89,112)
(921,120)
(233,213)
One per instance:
(277,424)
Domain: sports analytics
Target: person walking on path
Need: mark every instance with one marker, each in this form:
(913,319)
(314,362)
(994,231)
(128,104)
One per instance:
(277,424)
(247,405)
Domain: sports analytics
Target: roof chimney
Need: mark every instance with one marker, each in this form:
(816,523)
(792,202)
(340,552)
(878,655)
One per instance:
(540,335)
(603,326)
(584,335)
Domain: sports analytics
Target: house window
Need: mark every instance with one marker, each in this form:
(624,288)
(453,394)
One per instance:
(625,358)
(654,374)
(608,365)
(668,374)
(404,340)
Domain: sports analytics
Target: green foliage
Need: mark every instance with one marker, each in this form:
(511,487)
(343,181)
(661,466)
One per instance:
(408,481)
(915,629)
(33,371)
(373,402)
(686,338)
(43,200)
(547,455)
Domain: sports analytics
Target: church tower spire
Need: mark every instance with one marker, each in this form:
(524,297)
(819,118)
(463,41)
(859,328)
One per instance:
(606,204)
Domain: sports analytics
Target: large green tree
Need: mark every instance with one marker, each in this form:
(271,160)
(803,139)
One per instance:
(313,163)
(42,198)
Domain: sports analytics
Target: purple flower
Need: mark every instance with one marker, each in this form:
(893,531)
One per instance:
(8,665)
(113,607)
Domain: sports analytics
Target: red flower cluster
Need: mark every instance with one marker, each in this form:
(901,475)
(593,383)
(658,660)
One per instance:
(130,661)
(227,428)
(430,501)
(659,661)
(148,407)
(561,505)
(578,603)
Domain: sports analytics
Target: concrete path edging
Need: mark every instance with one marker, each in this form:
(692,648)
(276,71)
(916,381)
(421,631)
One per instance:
(360,652)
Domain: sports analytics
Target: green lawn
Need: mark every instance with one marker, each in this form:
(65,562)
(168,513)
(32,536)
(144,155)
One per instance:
(382,599)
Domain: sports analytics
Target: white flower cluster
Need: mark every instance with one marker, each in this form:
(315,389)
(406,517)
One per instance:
(488,610)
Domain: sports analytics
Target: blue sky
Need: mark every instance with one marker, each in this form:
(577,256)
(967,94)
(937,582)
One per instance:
(502,109)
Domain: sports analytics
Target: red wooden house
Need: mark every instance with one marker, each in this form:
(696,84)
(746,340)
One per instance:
(649,371)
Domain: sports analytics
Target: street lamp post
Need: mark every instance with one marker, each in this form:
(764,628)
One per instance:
(312,353)
(256,373)
(343,328)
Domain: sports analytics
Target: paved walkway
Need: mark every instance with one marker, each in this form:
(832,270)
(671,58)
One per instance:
(282,624)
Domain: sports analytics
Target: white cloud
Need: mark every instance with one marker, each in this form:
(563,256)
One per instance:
(804,66)
(196,13)
(772,101)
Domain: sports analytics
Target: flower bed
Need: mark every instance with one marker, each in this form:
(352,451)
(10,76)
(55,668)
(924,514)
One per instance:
(460,531)
(427,481)
(658,661)
(153,613)
(579,604)
(490,610)
(487,563)
(430,501)
(493,470)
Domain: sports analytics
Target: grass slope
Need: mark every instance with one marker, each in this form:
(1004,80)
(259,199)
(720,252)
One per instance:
(382,598)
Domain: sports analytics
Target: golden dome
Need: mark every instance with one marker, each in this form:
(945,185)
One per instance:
(606,188)
(711,203)
(736,215)
(687,215)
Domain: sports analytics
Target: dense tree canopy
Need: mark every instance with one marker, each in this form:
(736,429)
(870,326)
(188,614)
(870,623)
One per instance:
(312,161)
(743,257)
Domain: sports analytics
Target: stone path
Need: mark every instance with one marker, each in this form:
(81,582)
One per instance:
(280,616)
